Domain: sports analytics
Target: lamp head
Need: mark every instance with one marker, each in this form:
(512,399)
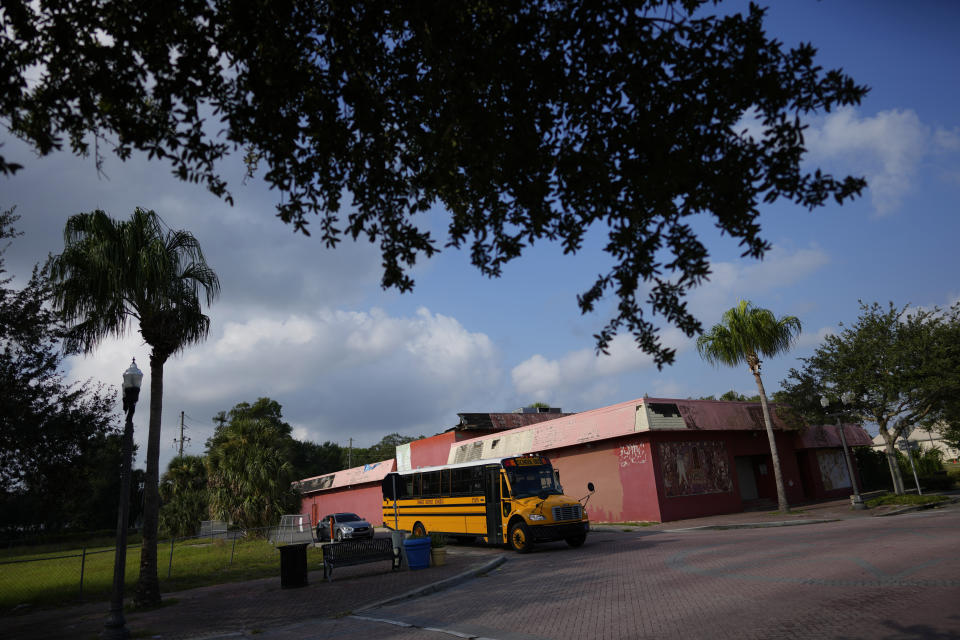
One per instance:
(132,377)
(824,402)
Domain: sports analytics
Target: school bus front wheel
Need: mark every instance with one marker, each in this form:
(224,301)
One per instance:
(520,540)
(576,541)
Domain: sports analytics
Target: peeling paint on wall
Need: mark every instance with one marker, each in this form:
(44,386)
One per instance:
(633,454)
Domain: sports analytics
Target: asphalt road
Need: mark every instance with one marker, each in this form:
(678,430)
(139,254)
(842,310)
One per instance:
(877,578)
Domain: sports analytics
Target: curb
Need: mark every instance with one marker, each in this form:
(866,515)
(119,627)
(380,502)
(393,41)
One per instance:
(438,586)
(752,525)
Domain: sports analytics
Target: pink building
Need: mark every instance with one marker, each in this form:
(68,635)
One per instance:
(650,459)
(357,490)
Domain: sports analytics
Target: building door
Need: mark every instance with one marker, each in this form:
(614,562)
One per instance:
(746,477)
(491,482)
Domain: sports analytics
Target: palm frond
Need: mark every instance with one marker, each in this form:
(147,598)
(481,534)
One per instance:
(747,331)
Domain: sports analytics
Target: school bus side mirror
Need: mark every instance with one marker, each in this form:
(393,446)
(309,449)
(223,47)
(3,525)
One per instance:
(590,487)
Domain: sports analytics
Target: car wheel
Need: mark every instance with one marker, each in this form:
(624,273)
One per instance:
(520,537)
(576,541)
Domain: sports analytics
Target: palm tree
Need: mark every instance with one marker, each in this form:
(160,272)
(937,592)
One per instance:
(745,334)
(113,273)
(249,472)
(183,489)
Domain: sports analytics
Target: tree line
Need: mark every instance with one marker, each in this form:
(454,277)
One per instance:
(245,473)
(59,442)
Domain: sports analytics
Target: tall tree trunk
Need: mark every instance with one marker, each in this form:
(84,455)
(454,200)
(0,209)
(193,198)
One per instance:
(777,475)
(891,452)
(148,586)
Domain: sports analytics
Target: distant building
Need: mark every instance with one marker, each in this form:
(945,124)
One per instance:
(926,440)
(650,459)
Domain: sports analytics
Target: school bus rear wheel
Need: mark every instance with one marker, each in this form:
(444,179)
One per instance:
(520,537)
(419,531)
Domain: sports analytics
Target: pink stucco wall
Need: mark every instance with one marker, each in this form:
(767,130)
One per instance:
(366,501)
(622,473)
(431,451)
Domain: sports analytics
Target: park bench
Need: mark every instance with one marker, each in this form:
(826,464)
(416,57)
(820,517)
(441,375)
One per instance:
(352,552)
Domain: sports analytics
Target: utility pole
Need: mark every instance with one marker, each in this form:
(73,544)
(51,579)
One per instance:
(182,439)
(350,454)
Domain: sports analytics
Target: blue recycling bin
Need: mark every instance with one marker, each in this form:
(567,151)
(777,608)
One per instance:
(418,552)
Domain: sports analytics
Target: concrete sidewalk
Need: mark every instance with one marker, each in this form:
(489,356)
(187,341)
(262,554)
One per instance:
(250,608)
(806,513)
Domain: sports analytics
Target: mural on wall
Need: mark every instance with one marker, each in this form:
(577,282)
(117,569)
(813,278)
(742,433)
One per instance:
(833,469)
(694,468)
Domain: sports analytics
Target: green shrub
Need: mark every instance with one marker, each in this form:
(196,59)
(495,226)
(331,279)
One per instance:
(874,470)
(908,499)
(937,482)
(927,463)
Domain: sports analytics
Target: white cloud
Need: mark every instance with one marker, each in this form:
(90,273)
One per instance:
(947,139)
(336,373)
(582,376)
(732,281)
(813,339)
(887,148)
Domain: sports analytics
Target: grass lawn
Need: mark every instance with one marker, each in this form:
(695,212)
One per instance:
(907,500)
(53,578)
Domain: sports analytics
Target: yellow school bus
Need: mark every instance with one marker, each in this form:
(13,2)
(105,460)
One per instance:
(515,501)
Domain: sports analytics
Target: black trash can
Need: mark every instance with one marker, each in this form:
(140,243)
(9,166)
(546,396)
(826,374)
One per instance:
(293,565)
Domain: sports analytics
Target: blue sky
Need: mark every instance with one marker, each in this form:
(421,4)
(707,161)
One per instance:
(312,329)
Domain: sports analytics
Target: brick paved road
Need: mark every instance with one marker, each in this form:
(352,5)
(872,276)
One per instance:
(892,578)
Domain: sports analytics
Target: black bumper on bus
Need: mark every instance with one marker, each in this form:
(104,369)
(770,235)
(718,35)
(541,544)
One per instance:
(551,532)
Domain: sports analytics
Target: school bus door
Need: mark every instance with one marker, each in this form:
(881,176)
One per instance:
(491,483)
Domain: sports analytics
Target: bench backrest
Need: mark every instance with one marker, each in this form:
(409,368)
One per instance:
(358,549)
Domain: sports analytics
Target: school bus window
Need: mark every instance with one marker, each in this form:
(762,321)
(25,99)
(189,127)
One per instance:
(529,481)
(460,482)
(476,480)
(445,482)
(431,484)
(413,489)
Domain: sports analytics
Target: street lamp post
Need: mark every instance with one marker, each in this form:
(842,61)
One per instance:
(116,625)
(855,499)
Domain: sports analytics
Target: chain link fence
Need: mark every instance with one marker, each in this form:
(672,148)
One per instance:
(219,554)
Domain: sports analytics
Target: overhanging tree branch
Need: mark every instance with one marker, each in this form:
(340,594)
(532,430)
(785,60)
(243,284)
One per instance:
(527,122)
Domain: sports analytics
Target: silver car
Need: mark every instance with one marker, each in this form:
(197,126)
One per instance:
(343,526)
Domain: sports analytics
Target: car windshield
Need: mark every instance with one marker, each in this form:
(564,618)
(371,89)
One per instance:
(347,517)
(532,480)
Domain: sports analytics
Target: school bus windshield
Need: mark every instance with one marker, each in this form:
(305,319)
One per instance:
(532,480)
